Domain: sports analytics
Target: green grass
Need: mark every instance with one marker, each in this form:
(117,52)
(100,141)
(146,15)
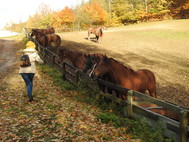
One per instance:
(138,129)
(165,34)
(57,77)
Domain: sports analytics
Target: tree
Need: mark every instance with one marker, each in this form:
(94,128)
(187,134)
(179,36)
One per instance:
(123,12)
(67,16)
(96,13)
(41,18)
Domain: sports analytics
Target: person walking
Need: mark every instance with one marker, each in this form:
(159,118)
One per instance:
(28,73)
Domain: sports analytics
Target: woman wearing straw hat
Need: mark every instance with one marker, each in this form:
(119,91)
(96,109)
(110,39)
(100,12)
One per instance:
(28,73)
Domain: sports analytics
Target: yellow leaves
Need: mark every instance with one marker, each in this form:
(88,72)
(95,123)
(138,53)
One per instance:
(96,12)
(83,126)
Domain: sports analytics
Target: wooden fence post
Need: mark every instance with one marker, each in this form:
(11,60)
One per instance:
(129,103)
(53,60)
(64,71)
(77,76)
(183,125)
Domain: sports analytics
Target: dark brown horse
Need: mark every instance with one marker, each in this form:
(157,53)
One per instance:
(76,58)
(49,30)
(53,38)
(98,33)
(79,60)
(119,74)
(41,38)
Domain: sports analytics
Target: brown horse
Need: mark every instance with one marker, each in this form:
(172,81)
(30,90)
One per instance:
(119,74)
(79,60)
(49,30)
(41,38)
(98,33)
(53,38)
(76,58)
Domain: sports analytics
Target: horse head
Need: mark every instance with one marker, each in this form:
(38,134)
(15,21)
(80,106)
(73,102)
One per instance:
(91,60)
(101,68)
(33,32)
(88,62)
(103,28)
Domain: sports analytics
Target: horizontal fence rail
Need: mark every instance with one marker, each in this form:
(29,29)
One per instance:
(178,130)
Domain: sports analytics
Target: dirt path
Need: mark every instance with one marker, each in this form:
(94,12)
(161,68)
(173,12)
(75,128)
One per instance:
(7,54)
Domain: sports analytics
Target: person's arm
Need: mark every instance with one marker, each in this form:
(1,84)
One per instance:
(38,59)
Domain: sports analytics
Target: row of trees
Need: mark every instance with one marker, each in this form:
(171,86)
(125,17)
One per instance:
(97,12)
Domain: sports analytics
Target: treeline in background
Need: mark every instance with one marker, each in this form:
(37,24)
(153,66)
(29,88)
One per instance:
(109,13)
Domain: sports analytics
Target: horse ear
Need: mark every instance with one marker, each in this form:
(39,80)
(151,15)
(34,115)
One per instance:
(106,59)
(86,55)
(61,50)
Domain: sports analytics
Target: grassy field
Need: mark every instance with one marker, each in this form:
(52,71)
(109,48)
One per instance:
(161,47)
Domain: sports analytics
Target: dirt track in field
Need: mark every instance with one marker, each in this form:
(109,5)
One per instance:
(7,55)
(157,47)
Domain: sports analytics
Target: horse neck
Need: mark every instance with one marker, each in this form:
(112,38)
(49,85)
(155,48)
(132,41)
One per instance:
(118,69)
(93,30)
(75,57)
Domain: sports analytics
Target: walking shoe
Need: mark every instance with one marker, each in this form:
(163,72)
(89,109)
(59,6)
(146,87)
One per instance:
(31,99)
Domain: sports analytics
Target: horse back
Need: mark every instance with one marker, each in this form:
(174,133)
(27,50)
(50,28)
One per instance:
(91,31)
(148,81)
(147,75)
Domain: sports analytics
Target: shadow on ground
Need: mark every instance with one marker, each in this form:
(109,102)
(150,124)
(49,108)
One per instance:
(168,93)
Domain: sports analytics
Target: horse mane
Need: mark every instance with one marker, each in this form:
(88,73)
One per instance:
(127,68)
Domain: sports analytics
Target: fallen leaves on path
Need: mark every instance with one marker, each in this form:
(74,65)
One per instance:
(53,116)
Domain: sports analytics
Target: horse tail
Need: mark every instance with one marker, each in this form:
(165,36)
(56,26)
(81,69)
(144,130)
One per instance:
(101,32)
(152,84)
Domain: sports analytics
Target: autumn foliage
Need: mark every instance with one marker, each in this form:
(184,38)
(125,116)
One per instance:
(64,17)
(105,12)
(95,11)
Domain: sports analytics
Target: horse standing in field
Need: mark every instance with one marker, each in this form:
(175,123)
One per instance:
(98,33)
(119,74)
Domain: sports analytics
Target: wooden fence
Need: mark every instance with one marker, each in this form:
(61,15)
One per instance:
(177,130)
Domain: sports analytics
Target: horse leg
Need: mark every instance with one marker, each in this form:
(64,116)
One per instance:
(89,35)
(97,37)
(100,39)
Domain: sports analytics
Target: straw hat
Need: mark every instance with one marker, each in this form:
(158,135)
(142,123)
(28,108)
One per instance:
(30,46)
